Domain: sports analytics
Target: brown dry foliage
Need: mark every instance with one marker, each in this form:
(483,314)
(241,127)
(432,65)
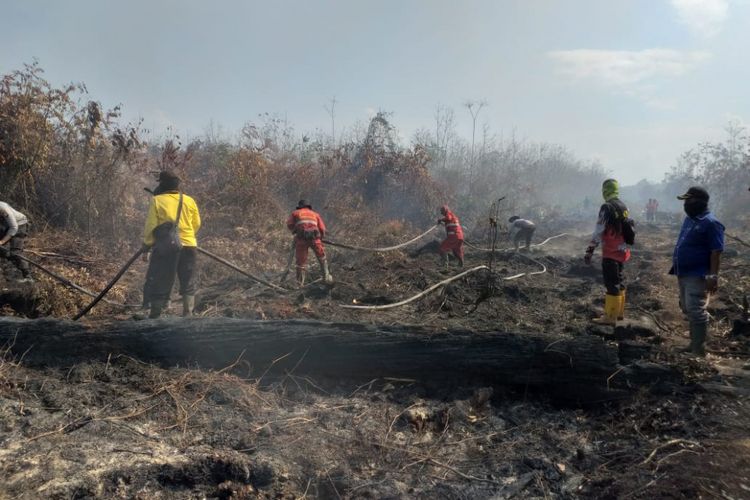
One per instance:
(72,165)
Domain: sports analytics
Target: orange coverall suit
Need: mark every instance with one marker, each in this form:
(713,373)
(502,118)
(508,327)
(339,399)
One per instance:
(454,240)
(308,229)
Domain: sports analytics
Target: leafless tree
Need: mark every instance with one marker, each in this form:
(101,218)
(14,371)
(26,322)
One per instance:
(722,167)
(474,108)
(331,110)
(445,131)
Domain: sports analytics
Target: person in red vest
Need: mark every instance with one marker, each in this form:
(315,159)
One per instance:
(454,240)
(609,233)
(308,229)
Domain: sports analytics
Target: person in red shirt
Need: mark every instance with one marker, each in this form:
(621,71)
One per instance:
(615,252)
(454,236)
(308,229)
(651,207)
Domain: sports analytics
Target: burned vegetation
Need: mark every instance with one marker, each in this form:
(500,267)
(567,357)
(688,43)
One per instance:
(494,384)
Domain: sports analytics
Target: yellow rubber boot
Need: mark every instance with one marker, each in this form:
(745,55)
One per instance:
(611,310)
(621,313)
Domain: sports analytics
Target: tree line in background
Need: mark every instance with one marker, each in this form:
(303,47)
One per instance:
(722,167)
(73,165)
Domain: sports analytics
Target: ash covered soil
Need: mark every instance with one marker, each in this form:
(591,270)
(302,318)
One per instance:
(116,427)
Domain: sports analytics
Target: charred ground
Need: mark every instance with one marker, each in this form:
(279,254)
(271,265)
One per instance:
(117,427)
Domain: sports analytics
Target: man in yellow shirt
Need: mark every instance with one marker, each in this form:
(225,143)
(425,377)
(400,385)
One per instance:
(166,262)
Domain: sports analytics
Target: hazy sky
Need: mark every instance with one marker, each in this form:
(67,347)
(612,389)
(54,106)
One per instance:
(632,83)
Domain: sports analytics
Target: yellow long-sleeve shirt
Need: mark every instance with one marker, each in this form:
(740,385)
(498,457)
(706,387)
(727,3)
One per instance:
(163,209)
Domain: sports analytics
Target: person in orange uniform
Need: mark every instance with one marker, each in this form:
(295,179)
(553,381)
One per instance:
(454,236)
(308,229)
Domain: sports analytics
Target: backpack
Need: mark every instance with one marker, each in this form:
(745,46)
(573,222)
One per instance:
(628,230)
(626,223)
(167,235)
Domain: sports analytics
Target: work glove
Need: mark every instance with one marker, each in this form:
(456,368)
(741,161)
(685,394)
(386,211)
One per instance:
(589,255)
(439,221)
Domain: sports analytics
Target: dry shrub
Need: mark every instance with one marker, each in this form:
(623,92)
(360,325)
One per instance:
(62,161)
(70,164)
(389,230)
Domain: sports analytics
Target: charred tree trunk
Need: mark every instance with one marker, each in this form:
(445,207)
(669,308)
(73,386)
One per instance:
(570,367)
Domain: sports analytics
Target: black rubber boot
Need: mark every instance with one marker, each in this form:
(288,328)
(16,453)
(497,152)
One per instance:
(698,333)
(157,307)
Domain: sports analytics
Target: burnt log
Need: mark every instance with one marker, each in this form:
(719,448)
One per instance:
(569,367)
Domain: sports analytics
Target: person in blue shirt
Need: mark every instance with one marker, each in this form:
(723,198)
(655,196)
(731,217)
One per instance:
(695,262)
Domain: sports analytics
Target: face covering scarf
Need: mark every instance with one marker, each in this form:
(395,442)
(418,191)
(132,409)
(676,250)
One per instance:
(694,208)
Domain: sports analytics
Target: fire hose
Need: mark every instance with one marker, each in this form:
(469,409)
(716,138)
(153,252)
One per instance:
(138,254)
(382,249)
(434,287)
(112,282)
(230,265)
(240,270)
(535,245)
(419,295)
(65,281)
(355,247)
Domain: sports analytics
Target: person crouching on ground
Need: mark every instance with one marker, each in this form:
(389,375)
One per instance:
(13,231)
(695,262)
(615,252)
(521,229)
(309,230)
(454,236)
(171,254)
